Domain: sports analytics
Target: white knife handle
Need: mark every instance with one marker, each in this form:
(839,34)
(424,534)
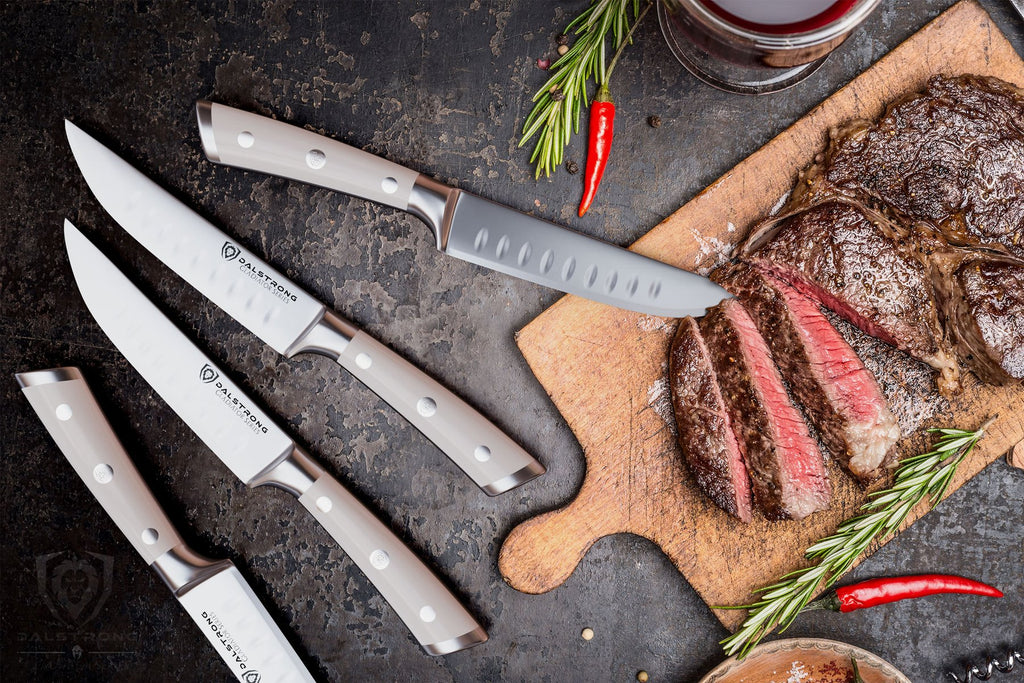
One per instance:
(491,459)
(68,410)
(435,617)
(239,138)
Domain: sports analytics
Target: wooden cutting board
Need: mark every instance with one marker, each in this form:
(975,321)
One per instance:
(605,369)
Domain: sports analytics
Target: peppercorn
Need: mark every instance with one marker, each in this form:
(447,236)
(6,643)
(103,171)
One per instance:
(572,167)
(562,49)
(556,94)
(562,39)
(653,121)
(587,634)
(642,676)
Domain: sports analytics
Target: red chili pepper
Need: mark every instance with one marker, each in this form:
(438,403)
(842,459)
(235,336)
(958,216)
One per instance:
(881,591)
(601,131)
(601,127)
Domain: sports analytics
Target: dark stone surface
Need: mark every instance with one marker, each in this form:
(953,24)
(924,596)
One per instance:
(441,87)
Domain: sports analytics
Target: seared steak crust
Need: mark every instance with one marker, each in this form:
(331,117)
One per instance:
(787,472)
(863,268)
(705,433)
(951,156)
(987,310)
(838,393)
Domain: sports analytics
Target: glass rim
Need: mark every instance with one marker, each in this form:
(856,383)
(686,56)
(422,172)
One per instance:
(857,14)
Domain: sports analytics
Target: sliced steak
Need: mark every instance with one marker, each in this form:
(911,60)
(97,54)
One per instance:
(787,473)
(987,313)
(863,268)
(951,156)
(839,395)
(705,434)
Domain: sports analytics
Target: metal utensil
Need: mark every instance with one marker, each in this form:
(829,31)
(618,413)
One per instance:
(291,321)
(991,665)
(464,226)
(212,592)
(259,453)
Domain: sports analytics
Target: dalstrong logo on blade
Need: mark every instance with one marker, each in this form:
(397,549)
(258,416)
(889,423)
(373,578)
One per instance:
(229,251)
(208,374)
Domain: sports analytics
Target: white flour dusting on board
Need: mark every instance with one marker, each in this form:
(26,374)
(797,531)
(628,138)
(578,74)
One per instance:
(653,323)
(779,204)
(659,398)
(710,246)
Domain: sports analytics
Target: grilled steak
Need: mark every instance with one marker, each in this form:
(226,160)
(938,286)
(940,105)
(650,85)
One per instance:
(986,309)
(951,156)
(864,268)
(787,473)
(839,395)
(705,434)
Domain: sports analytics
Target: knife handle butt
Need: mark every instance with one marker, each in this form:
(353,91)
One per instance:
(485,453)
(434,616)
(245,140)
(67,408)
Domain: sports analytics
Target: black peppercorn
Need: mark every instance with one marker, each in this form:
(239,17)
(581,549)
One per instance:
(653,121)
(572,167)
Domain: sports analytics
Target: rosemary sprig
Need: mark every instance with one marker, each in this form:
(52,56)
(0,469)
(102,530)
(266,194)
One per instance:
(556,110)
(918,477)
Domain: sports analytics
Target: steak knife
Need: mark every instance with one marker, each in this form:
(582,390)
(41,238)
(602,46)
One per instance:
(259,453)
(212,592)
(291,321)
(464,226)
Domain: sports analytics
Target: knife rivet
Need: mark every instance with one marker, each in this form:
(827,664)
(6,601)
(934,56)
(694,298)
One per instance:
(324,504)
(246,139)
(426,406)
(364,361)
(103,473)
(150,536)
(63,412)
(389,185)
(315,159)
(427,614)
(482,453)
(380,559)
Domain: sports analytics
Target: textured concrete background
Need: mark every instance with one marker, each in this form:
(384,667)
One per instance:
(443,88)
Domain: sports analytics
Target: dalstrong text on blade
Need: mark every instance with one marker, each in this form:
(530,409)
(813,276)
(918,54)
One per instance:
(207,376)
(231,252)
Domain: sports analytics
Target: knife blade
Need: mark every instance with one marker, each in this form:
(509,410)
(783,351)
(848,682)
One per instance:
(465,226)
(214,594)
(259,453)
(291,321)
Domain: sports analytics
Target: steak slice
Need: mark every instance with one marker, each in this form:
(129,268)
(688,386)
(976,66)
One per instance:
(987,311)
(950,156)
(787,473)
(839,395)
(863,268)
(705,434)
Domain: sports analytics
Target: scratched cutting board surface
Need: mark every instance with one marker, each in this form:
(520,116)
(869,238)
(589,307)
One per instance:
(605,369)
